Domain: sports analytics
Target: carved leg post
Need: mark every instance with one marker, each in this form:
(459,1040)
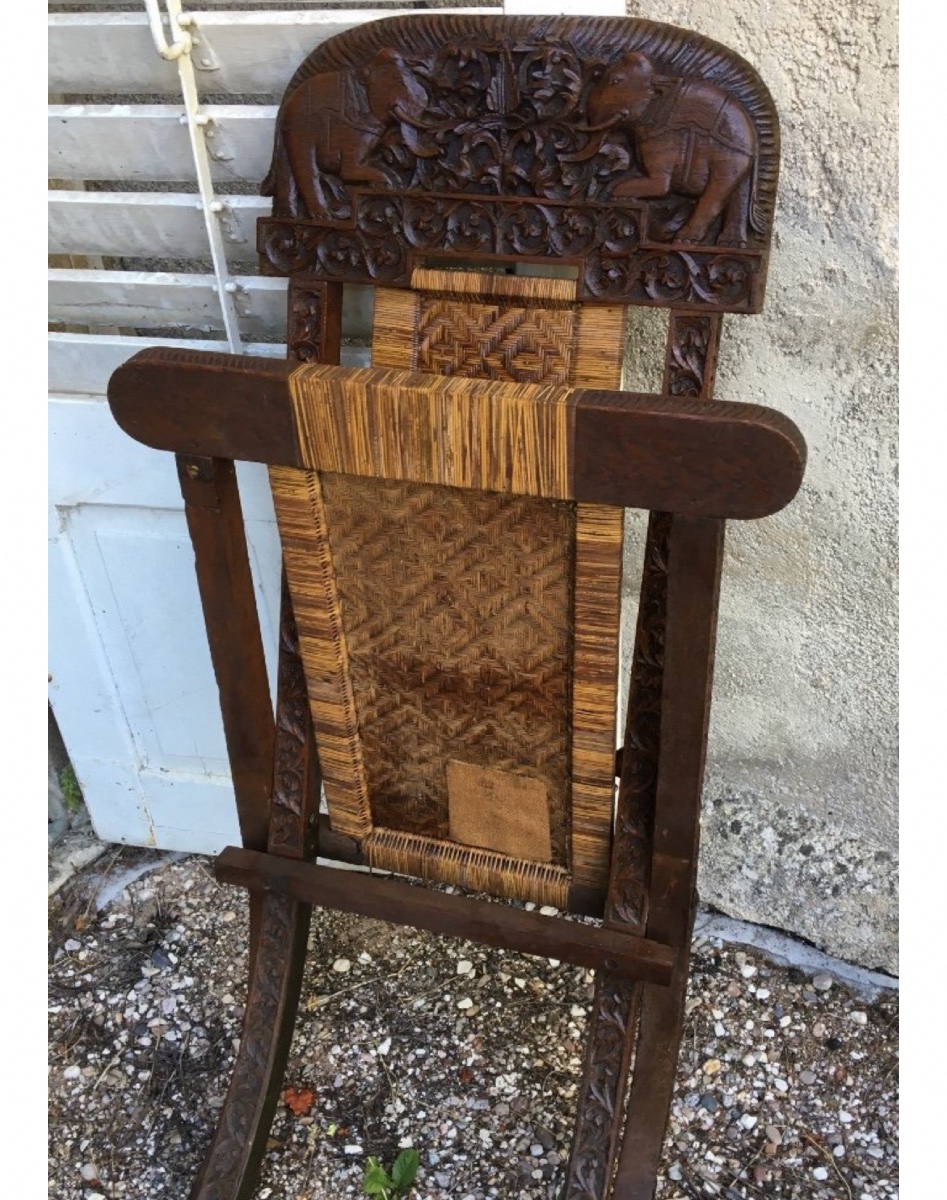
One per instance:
(287,826)
(632,1025)
(232,1165)
(612,1032)
(695,552)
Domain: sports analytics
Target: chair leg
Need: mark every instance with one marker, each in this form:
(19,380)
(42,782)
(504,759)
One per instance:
(652,1085)
(608,1058)
(232,1164)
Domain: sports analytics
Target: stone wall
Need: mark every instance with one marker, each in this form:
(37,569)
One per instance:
(800,821)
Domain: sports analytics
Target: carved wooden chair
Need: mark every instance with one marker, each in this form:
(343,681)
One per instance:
(451,520)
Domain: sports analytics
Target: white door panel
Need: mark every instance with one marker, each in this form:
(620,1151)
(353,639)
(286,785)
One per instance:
(132,684)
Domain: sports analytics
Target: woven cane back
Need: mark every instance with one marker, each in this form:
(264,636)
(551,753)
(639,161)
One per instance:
(466,732)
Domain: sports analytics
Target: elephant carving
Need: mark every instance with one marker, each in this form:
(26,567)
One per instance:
(693,139)
(328,128)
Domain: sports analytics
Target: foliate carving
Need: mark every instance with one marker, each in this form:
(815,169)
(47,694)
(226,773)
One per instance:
(306,324)
(604,1082)
(295,799)
(634,821)
(270,1009)
(613,142)
(692,343)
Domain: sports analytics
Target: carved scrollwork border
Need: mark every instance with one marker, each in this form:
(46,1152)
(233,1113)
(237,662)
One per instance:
(615,266)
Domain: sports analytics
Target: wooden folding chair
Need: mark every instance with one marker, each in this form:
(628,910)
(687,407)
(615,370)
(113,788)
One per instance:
(451,520)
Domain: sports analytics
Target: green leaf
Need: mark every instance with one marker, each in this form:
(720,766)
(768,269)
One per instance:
(404,1169)
(376,1181)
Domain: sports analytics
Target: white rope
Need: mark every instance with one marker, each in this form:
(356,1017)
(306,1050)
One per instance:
(182,39)
(179,51)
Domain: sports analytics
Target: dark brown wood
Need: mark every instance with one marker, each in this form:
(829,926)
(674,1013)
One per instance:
(642,154)
(637,451)
(690,363)
(294,811)
(695,556)
(231,1166)
(314,322)
(215,523)
(193,401)
(655,452)
(278,925)
(608,1052)
(693,340)
(482,920)
(645,158)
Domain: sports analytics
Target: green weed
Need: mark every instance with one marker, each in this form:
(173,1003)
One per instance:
(71,792)
(378,1182)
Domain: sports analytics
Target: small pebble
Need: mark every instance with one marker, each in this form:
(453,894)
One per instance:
(820,1173)
(822,982)
(341,966)
(860,1018)
(807,1077)
(464,967)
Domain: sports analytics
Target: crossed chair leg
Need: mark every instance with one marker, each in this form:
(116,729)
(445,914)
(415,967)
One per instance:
(635,1031)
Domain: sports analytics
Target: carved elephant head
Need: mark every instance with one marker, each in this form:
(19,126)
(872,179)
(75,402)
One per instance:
(623,91)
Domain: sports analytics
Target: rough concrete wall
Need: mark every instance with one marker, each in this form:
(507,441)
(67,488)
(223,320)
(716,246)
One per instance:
(799,819)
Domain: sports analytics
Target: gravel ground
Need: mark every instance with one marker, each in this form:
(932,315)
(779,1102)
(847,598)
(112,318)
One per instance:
(787,1084)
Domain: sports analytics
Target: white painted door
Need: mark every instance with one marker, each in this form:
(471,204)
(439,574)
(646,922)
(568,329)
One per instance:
(131,680)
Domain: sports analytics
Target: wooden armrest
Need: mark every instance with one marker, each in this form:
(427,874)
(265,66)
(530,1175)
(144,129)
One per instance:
(665,453)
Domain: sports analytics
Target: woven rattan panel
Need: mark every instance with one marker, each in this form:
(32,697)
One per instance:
(458,608)
(453,604)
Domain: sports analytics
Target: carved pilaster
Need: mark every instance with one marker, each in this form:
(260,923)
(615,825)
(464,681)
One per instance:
(631,854)
(295,802)
(691,360)
(314,321)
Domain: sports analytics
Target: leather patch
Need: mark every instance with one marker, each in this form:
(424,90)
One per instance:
(499,810)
